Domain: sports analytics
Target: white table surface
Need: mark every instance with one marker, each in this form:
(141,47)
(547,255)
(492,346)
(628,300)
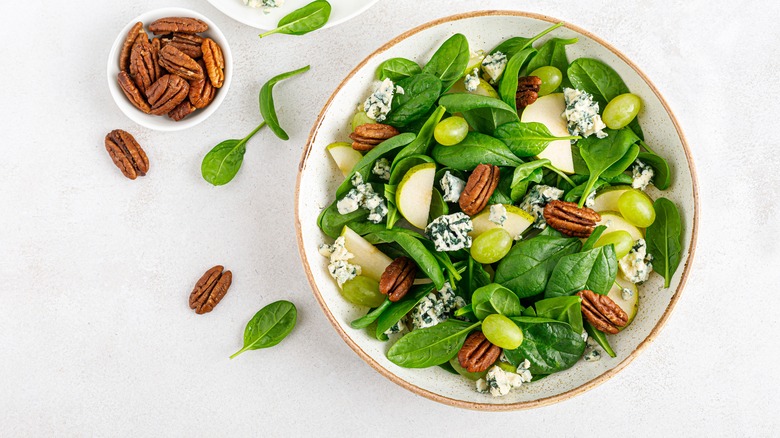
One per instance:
(95,334)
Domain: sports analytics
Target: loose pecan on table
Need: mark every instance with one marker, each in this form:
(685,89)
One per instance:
(124,55)
(127,154)
(178,24)
(569,219)
(477,354)
(368,135)
(397,278)
(167,93)
(132,92)
(602,312)
(210,289)
(178,63)
(480,186)
(527,91)
(215,62)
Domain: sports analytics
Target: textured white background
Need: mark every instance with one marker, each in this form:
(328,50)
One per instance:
(95,334)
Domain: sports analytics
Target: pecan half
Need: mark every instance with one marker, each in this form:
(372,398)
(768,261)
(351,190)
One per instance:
(132,92)
(142,64)
(167,93)
(201,91)
(178,24)
(124,55)
(215,62)
(127,154)
(178,63)
(210,289)
(480,186)
(527,91)
(186,42)
(477,354)
(602,312)
(397,278)
(368,135)
(182,110)
(569,219)
(156,46)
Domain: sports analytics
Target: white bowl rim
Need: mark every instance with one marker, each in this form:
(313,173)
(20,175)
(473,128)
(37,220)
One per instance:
(165,124)
(329,24)
(525,404)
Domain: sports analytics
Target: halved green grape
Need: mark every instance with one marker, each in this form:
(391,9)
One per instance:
(451,131)
(636,208)
(491,246)
(551,79)
(363,291)
(621,110)
(463,372)
(508,367)
(502,332)
(361,118)
(621,239)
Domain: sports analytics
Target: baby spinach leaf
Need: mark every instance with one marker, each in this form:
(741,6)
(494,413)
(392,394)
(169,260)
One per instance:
(370,317)
(450,60)
(396,69)
(425,260)
(419,96)
(403,165)
(366,164)
(597,78)
(495,298)
(664,239)
(438,206)
(594,269)
(399,309)
(550,346)
(483,113)
(507,88)
(303,20)
(267,108)
(663,176)
(422,143)
(474,150)
(430,346)
(553,53)
(525,170)
(516,44)
(601,339)
(601,153)
(331,222)
(502,193)
(593,238)
(474,277)
(575,193)
(622,164)
(527,139)
(519,190)
(269,326)
(565,309)
(445,263)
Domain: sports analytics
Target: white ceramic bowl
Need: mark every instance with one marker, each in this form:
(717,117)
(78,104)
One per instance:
(319,177)
(341,11)
(163,123)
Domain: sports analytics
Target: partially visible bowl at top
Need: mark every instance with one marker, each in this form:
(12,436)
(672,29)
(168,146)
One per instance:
(163,123)
(342,10)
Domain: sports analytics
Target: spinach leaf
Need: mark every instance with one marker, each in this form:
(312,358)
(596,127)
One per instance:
(663,176)
(502,193)
(597,78)
(396,69)
(527,267)
(331,222)
(438,206)
(425,260)
(483,113)
(622,164)
(553,53)
(267,108)
(601,339)
(366,164)
(474,277)
(303,20)
(370,317)
(594,269)
(422,143)
(515,44)
(549,346)
(525,170)
(565,309)
(222,163)
(527,139)
(450,60)
(445,263)
(430,346)
(495,298)
(474,150)
(593,238)
(601,153)
(419,96)
(507,88)
(269,326)
(664,239)
(575,193)
(519,190)
(399,309)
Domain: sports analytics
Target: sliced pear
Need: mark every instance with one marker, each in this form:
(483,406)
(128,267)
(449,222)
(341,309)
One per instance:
(614,221)
(630,305)
(475,61)
(414,192)
(606,200)
(548,110)
(517,220)
(372,261)
(345,157)
(483,89)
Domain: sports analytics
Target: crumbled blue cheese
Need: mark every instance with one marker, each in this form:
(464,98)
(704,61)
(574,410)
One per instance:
(267,5)
(399,90)
(378,103)
(436,307)
(582,113)
(535,200)
(398,327)
(590,201)
(471,81)
(637,264)
(382,169)
(584,336)
(500,382)
(497,214)
(626,293)
(642,174)
(339,267)
(452,186)
(363,195)
(494,65)
(592,356)
(450,232)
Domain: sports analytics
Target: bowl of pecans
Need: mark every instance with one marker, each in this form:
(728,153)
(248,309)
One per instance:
(169,69)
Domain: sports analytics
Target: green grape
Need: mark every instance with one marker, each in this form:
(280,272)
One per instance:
(361,118)
(491,246)
(621,110)
(551,79)
(502,332)
(621,239)
(636,208)
(451,131)
(463,372)
(508,367)
(362,291)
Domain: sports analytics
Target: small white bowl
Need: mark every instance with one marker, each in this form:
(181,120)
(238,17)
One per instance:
(163,123)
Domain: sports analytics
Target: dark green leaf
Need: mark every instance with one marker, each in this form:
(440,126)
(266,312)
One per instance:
(515,44)
(267,108)
(303,20)
(549,346)
(664,239)
(331,222)
(622,164)
(565,309)
(450,60)
(483,113)
(527,139)
(269,326)
(422,143)
(430,346)
(366,164)
(601,153)
(663,176)
(419,96)
(399,309)
(553,53)
(371,316)
(425,260)
(222,163)
(593,270)
(494,298)
(601,339)
(507,88)
(474,150)
(596,78)
(396,69)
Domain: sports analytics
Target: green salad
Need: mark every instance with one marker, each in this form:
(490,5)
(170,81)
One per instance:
(494,218)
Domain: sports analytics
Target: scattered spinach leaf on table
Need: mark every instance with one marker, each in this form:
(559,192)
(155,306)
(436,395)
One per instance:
(269,326)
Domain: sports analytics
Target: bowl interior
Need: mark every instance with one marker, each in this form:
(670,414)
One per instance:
(342,10)
(162,123)
(319,178)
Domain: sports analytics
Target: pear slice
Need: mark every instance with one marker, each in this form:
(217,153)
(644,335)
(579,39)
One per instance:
(517,220)
(483,89)
(607,199)
(548,110)
(614,222)
(345,157)
(371,260)
(630,305)
(414,192)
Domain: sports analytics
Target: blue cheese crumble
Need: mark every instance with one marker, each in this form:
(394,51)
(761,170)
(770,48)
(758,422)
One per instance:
(339,267)
(436,307)
(499,382)
(626,293)
(535,200)
(592,356)
(471,81)
(398,327)
(267,5)
(637,264)
(382,169)
(494,65)
(642,174)
(582,114)
(497,214)
(450,232)
(379,102)
(363,195)
(452,186)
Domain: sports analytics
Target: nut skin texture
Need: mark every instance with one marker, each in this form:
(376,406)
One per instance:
(178,24)
(368,135)
(201,93)
(569,219)
(527,90)
(188,43)
(124,55)
(215,62)
(156,46)
(477,353)
(132,92)
(126,153)
(143,68)
(210,289)
(167,93)
(602,312)
(177,62)
(398,278)
(480,186)
(182,110)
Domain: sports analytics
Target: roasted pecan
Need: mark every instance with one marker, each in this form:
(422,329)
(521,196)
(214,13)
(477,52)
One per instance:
(480,186)
(182,110)
(167,93)
(132,92)
(127,154)
(124,55)
(178,63)
(368,135)
(215,62)
(186,42)
(178,24)
(142,64)
(156,46)
(527,91)
(477,354)
(397,278)
(569,219)
(201,91)
(210,289)
(603,314)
